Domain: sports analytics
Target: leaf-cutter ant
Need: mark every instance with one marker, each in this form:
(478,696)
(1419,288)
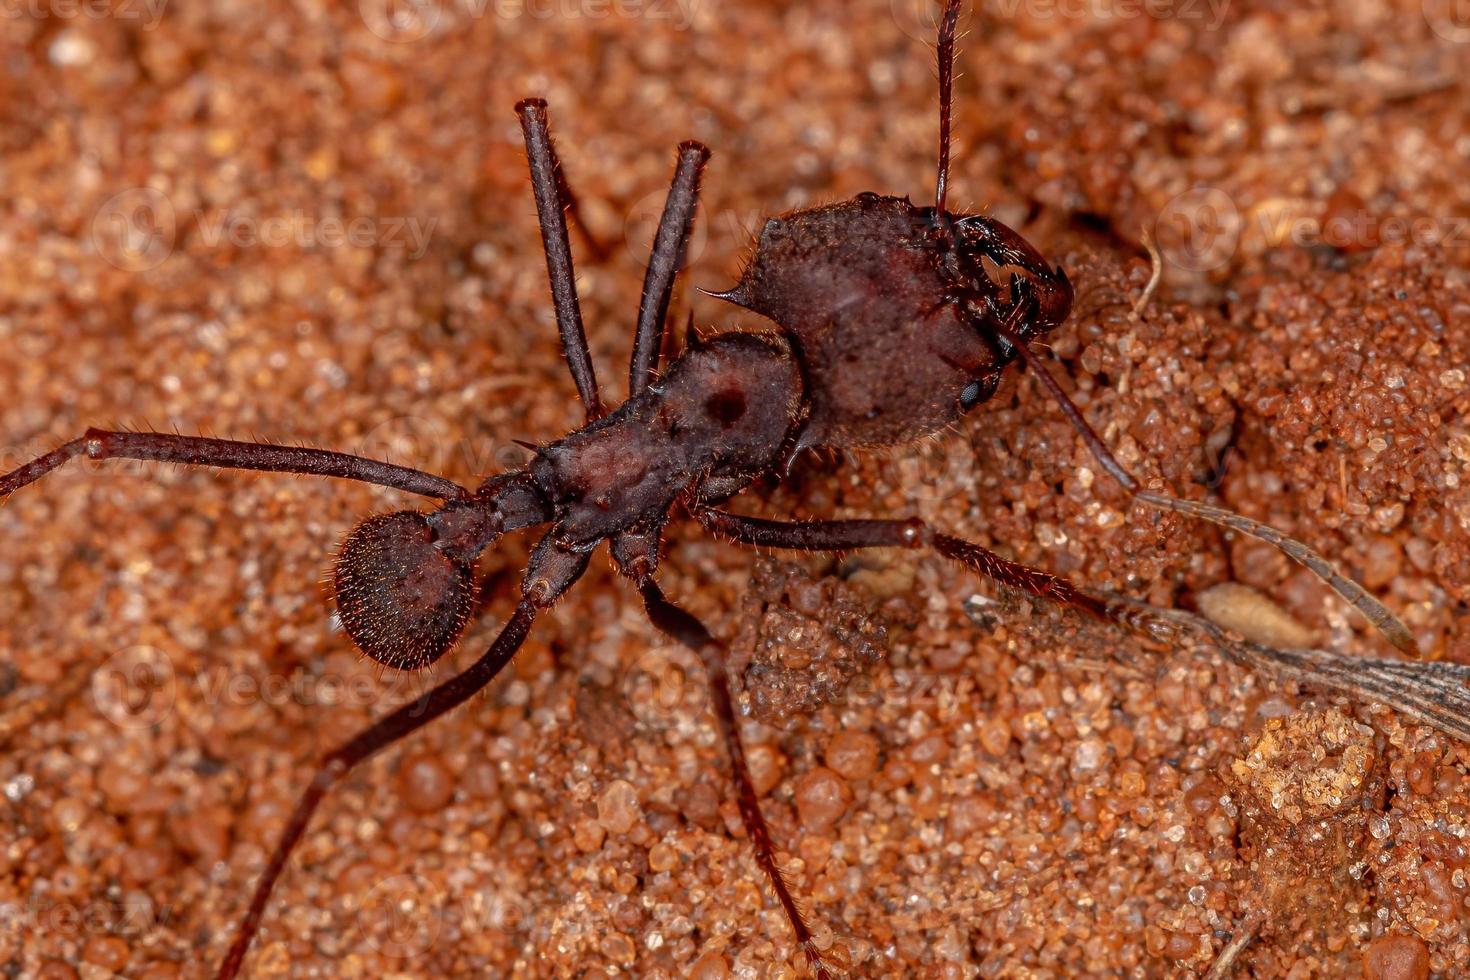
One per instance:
(888,328)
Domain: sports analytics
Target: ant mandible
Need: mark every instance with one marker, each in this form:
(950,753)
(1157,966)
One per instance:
(889,328)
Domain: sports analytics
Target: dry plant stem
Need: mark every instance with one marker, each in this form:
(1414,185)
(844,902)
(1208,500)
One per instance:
(686,629)
(1224,965)
(1397,633)
(1155,276)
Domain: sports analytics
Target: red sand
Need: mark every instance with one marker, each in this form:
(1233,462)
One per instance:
(1014,794)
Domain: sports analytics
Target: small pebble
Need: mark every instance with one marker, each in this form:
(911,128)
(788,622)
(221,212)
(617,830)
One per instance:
(108,952)
(1253,615)
(995,736)
(822,797)
(710,966)
(588,836)
(1180,945)
(1396,958)
(662,857)
(619,948)
(853,755)
(617,807)
(766,765)
(425,783)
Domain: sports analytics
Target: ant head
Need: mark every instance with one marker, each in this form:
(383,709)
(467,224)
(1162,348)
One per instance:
(1043,288)
(890,309)
(402,599)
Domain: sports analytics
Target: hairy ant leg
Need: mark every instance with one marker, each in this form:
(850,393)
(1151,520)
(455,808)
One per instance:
(688,630)
(669,242)
(846,535)
(164,447)
(1351,592)
(551,572)
(547,181)
(362,747)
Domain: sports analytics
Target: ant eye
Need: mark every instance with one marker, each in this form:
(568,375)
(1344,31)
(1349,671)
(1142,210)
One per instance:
(974,393)
(402,600)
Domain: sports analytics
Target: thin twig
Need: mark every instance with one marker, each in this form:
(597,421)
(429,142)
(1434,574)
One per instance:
(1224,965)
(1156,262)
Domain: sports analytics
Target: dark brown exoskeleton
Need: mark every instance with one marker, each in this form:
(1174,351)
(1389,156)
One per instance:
(888,306)
(888,327)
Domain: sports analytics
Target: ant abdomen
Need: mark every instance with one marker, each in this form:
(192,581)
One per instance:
(401,599)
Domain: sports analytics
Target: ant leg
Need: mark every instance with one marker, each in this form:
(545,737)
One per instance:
(685,628)
(551,572)
(663,264)
(229,454)
(547,181)
(1354,594)
(947,27)
(380,735)
(846,535)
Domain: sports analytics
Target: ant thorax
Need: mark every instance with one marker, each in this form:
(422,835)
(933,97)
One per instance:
(720,416)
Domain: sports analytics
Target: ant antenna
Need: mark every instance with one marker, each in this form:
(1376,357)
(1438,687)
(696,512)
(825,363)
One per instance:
(1378,614)
(947,28)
